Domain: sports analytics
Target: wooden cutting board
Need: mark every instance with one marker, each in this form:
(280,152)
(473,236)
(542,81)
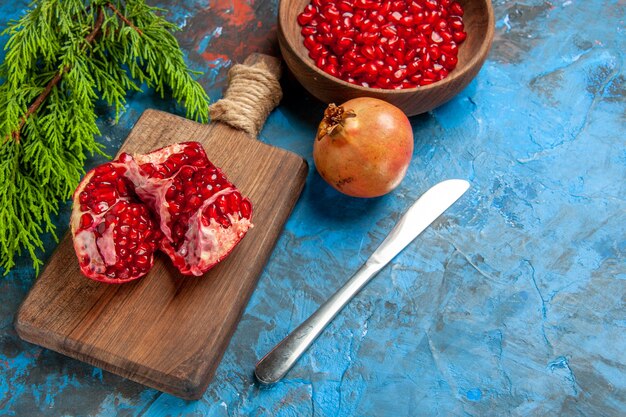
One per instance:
(166,330)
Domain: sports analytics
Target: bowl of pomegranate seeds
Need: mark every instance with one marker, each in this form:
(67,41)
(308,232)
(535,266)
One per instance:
(415,54)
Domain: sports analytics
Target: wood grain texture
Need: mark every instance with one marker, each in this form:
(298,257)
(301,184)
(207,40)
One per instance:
(166,330)
(479,25)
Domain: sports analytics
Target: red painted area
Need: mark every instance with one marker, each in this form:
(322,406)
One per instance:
(234,12)
(212,59)
(245,28)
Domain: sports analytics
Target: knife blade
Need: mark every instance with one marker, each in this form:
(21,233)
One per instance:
(273,366)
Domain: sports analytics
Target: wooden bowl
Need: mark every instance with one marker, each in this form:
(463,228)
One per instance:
(479,25)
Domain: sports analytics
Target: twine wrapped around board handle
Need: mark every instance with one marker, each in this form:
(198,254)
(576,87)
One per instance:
(253,92)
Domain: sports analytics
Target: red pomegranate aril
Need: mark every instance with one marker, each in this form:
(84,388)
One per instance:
(358,19)
(431,4)
(194,202)
(211,212)
(368,52)
(434,52)
(407,20)
(345,6)
(432,17)
(224,221)
(446,36)
(406,32)
(365,4)
(345,42)
(317,51)
(416,78)
(86,220)
(456,24)
(101,207)
(309,43)
(393,41)
(413,66)
(388,31)
(376,42)
(327,39)
(450,62)
(456,9)
(395,17)
(397,5)
(246,208)
(391,61)
(425,28)
(383,82)
(441,24)
(332,70)
(323,28)
(398,54)
(336,31)
(379,20)
(414,41)
(386,71)
(365,25)
(348,67)
(370,38)
(459,36)
(399,75)
(450,49)
(142,261)
(360,60)
(332,13)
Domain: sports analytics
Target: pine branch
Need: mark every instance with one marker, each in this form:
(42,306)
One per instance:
(62,56)
(53,82)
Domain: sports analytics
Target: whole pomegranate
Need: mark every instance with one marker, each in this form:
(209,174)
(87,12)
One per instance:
(173,199)
(363,147)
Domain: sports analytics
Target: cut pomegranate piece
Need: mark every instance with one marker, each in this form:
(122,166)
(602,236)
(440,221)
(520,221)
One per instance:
(115,236)
(173,198)
(201,214)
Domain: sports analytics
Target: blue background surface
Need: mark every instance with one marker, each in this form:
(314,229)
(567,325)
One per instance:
(512,303)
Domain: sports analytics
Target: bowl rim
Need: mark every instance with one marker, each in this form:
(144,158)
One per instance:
(475,60)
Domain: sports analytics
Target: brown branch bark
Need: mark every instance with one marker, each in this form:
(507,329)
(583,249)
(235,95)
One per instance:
(54,81)
(123,18)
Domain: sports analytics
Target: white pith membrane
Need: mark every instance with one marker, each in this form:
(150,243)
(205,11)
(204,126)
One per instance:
(151,191)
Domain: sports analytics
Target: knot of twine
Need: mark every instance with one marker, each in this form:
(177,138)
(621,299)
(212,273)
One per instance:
(252,94)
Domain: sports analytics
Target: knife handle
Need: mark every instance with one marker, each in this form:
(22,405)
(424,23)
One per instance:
(273,366)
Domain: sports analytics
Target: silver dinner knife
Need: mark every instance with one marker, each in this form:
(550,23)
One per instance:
(273,366)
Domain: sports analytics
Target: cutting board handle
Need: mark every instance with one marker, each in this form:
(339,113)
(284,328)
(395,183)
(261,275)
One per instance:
(253,92)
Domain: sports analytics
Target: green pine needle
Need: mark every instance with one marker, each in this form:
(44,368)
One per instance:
(80,51)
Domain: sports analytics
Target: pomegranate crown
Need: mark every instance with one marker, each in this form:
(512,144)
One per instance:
(333,116)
